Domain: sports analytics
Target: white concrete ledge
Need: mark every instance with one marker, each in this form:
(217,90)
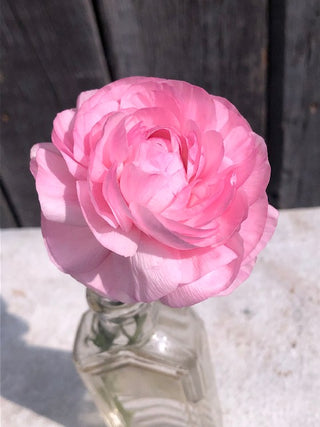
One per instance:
(264,338)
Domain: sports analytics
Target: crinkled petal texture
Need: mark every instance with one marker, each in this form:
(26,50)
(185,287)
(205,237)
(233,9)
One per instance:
(153,189)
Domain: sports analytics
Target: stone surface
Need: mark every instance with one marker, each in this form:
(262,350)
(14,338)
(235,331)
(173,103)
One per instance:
(264,338)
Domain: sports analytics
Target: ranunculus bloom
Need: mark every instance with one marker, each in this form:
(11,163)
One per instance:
(154,189)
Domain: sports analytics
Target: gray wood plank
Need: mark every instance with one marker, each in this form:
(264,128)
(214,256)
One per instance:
(274,136)
(243,50)
(300,177)
(220,45)
(51,52)
(7,217)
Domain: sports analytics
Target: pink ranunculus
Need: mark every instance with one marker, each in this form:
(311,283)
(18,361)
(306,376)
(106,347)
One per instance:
(154,190)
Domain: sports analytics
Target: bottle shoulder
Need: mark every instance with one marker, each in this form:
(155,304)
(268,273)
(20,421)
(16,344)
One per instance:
(176,339)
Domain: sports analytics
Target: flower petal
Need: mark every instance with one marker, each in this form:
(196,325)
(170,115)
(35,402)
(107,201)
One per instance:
(62,138)
(72,248)
(146,276)
(150,225)
(84,96)
(91,112)
(258,228)
(207,286)
(115,200)
(55,185)
(249,261)
(155,268)
(111,278)
(255,185)
(194,102)
(116,240)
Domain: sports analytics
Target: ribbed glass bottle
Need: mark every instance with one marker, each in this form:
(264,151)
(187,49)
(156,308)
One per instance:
(146,365)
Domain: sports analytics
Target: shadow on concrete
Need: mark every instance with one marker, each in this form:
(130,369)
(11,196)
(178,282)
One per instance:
(42,379)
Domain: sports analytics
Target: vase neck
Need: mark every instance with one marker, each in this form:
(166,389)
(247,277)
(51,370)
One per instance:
(132,323)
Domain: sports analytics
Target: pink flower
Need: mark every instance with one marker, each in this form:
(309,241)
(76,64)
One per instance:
(154,189)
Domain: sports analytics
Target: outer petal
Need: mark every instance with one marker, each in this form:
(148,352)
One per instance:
(147,276)
(72,248)
(119,89)
(149,95)
(155,269)
(228,117)
(250,260)
(197,263)
(111,278)
(62,138)
(256,231)
(84,96)
(240,147)
(62,131)
(244,273)
(257,181)
(55,185)
(207,286)
(194,102)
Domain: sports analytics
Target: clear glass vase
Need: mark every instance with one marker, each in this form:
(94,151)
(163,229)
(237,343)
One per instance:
(146,365)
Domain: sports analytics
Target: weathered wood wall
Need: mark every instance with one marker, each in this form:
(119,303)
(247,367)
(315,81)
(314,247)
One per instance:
(51,51)
(262,55)
(193,41)
(300,171)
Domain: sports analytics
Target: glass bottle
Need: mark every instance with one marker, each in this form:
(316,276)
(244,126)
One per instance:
(146,365)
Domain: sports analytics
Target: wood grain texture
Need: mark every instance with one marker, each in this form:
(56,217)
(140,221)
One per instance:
(51,51)
(219,45)
(300,175)
(243,51)
(274,134)
(7,219)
